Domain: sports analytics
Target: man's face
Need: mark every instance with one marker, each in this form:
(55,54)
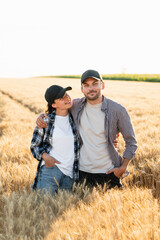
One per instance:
(91,88)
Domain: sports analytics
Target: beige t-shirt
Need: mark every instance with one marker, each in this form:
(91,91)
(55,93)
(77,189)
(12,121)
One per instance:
(94,154)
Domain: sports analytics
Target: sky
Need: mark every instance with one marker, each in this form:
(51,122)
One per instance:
(56,37)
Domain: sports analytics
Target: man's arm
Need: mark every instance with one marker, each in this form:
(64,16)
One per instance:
(126,129)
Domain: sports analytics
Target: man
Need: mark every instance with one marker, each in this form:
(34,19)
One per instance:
(99,120)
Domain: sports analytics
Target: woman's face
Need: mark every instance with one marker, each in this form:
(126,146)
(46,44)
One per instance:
(63,103)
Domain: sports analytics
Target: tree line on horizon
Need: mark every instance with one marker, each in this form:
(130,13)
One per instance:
(122,77)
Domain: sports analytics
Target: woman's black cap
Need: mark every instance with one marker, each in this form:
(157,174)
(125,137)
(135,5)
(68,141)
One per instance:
(54,92)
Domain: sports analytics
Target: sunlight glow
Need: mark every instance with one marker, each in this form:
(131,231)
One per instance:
(53,37)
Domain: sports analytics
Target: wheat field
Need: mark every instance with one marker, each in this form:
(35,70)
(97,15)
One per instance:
(131,213)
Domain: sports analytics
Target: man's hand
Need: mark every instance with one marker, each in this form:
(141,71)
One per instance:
(40,122)
(49,161)
(118,172)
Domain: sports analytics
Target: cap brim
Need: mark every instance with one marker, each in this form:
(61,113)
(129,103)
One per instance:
(62,92)
(91,77)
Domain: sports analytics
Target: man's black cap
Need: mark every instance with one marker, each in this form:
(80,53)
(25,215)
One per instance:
(91,74)
(54,92)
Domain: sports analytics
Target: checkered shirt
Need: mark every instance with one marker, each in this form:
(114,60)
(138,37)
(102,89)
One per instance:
(41,142)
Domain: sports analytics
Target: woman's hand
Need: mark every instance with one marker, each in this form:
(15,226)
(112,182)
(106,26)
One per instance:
(49,161)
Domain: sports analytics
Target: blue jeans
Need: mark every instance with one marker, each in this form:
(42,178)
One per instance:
(52,179)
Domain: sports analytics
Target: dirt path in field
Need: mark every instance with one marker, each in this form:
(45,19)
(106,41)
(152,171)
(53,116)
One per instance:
(16,163)
(32,109)
(2,115)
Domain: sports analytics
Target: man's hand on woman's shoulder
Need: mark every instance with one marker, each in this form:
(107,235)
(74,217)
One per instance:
(40,122)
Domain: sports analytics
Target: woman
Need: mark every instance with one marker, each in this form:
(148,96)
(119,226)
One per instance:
(57,146)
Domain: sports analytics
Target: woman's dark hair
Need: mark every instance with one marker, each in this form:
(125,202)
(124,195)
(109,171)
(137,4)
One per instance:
(49,109)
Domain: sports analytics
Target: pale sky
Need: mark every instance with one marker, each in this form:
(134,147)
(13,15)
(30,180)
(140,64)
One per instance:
(51,37)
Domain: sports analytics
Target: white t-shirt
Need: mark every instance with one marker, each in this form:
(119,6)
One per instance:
(94,154)
(63,145)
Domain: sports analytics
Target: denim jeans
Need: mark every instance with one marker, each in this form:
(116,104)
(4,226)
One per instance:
(52,179)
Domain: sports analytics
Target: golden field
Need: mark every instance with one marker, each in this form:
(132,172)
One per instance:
(131,213)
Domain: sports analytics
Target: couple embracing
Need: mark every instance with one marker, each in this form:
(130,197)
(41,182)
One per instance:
(75,141)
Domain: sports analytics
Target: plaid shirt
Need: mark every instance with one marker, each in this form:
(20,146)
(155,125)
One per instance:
(41,142)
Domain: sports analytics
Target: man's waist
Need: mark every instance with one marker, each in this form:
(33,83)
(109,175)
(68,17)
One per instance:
(95,170)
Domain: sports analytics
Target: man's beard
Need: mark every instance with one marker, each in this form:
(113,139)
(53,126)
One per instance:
(94,97)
